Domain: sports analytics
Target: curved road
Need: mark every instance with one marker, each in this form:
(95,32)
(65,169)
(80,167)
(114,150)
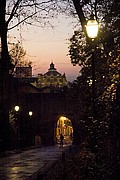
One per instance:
(28,164)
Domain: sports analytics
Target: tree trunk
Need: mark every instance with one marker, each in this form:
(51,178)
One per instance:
(4,82)
(80,13)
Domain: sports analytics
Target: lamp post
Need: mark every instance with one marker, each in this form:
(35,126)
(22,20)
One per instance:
(17,108)
(31,128)
(92,31)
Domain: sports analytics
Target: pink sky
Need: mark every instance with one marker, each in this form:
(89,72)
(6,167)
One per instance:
(44,46)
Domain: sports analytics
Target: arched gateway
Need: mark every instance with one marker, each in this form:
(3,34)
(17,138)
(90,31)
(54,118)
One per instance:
(50,111)
(54,119)
(64,127)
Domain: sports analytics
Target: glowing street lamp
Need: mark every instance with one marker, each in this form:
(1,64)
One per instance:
(30,113)
(92,27)
(17,108)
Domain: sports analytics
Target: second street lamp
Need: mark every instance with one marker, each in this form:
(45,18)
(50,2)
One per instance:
(30,113)
(17,108)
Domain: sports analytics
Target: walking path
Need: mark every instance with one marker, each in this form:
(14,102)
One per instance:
(28,164)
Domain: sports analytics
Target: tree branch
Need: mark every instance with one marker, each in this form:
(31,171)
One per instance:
(80,13)
(22,20)
(13,11)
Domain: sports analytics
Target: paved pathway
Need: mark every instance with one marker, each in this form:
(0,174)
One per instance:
(28,164)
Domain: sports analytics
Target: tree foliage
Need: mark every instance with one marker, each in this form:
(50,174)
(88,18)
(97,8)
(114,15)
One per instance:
(102,132)
(18,57)
(107,49)
(17,54)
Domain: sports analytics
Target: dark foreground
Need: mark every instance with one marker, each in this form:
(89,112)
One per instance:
(83,165)
(58,163)
(30,164)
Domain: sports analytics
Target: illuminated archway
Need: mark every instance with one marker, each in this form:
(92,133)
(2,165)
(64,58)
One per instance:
(64,127)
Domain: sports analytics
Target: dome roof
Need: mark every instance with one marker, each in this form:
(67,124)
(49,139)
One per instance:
(52,71)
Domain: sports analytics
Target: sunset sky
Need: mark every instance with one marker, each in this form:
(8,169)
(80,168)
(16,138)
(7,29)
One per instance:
(47,45)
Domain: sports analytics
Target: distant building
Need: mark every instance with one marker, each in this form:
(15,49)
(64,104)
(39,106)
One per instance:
(52,78)
(24,72)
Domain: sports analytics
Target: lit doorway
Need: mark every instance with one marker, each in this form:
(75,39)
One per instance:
(64,127)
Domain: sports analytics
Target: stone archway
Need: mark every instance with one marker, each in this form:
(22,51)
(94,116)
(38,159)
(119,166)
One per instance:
(64,127)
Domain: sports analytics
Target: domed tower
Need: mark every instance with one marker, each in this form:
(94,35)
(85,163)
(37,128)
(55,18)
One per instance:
(52,68)
(52,78)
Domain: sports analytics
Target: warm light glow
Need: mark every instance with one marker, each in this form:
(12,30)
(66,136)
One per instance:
(63,118)
(17,108)
(64,127)
(92,28)
(30,113)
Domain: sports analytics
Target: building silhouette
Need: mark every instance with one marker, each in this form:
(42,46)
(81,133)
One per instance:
(23,72)
(47,101)
(52,78)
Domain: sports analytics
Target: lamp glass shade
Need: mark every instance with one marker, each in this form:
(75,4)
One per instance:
(92,28)
(30,113)
(17,108)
